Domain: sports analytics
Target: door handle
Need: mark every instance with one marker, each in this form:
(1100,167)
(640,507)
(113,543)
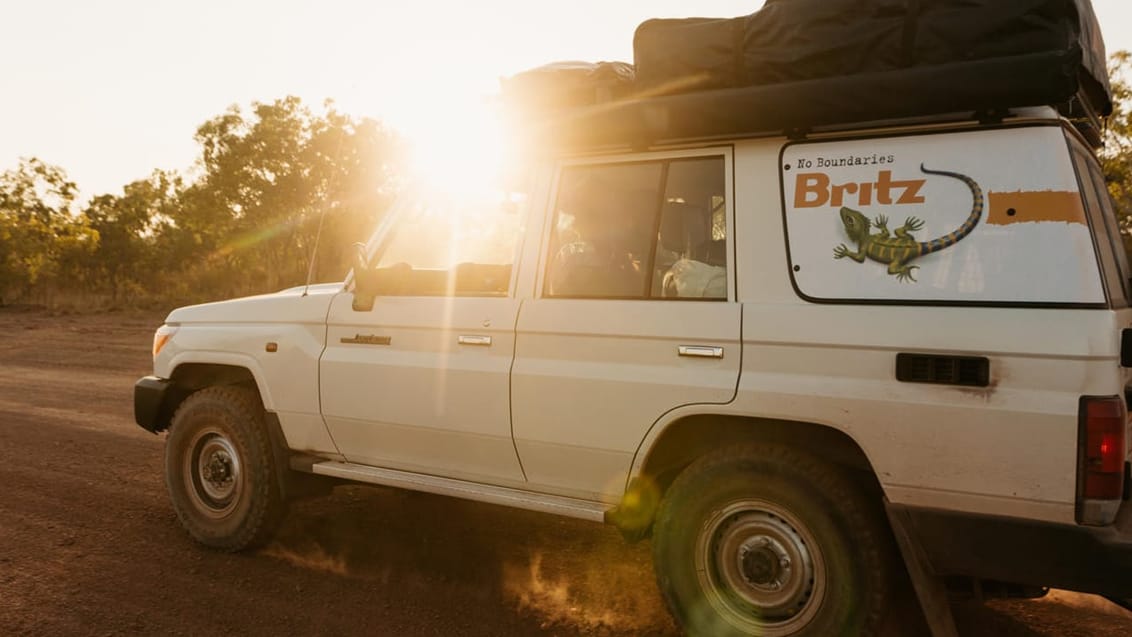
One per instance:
(474,340)
(700,351)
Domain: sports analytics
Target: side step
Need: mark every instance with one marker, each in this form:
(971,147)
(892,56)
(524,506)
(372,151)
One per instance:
(558,505)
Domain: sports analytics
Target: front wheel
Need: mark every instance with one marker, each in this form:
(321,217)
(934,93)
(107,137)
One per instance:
(220,471)
(764,540)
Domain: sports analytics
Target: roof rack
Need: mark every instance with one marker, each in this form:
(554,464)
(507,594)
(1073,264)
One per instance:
(950,92)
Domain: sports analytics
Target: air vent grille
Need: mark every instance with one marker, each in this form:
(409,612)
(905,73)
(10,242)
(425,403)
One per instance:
(967,371)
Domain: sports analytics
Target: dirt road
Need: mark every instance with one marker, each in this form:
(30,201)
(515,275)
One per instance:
(89,543)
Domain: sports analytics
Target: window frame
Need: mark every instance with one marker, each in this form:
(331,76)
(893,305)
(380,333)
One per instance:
(387,231)
(1112,263)
(724,152)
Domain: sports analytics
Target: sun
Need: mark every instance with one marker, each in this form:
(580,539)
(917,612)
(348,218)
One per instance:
(458,146)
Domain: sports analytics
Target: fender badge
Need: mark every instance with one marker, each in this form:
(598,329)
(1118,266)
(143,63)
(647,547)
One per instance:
(367,339)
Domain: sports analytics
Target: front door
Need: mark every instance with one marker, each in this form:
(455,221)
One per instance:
(420,381)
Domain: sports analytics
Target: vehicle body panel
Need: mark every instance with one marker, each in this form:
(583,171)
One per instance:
(423,401)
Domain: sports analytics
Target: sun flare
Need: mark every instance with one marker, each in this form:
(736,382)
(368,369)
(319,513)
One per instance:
(458,148)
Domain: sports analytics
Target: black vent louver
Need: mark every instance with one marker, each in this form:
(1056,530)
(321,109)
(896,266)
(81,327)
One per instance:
(968,371)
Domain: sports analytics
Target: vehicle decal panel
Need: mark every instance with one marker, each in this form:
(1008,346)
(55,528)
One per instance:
(990,216)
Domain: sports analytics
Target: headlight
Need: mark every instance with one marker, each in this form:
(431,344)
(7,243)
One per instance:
(161,337)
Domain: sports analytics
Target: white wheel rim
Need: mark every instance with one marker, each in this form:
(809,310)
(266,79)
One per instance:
(760,568)
(213,473)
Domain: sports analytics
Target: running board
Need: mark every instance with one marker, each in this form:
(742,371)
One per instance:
(558,505)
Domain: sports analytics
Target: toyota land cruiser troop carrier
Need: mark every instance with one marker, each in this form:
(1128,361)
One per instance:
(794,345)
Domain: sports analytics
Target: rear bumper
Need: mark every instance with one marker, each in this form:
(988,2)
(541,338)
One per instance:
(1080,558)
(150,393)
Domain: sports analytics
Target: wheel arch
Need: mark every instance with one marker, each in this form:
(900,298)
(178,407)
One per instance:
(687,437)
(670,447)
(220,368)
(189,377)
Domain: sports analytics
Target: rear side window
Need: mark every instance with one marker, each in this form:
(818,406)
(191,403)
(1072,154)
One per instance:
(1106,229)
(640,230)
(987,217)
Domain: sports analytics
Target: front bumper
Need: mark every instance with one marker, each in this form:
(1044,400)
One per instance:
(151,403)
(1079,558)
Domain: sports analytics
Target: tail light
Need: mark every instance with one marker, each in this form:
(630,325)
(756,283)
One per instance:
(1103,424)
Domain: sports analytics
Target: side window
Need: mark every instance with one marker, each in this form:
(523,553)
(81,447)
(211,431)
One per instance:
(643,230)
(1114,260)
(691,254)
(452,248)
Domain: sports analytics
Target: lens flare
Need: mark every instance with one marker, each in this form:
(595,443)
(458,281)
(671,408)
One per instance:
(458,150)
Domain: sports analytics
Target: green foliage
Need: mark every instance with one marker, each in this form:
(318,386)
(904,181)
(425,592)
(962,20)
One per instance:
(268,180)
(1116,157)
(43,244)
(130,229)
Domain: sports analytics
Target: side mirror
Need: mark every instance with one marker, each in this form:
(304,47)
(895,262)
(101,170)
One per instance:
(365,283)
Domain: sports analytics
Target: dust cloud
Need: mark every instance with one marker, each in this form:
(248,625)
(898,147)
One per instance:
(1085,602)
(315,559)
(602,596)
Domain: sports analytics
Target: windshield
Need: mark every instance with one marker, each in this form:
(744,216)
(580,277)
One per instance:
(440,242)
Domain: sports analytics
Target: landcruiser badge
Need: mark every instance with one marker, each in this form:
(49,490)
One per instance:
(367,339)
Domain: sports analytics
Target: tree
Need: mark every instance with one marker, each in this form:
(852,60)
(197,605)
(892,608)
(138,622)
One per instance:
(269,179)
(1116,156)
(42,242)
(128,228)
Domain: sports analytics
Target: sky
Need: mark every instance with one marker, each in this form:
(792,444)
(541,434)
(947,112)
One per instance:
(112,90)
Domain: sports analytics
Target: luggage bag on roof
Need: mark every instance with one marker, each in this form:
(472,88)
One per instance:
(797,40)
(562,85)
(800,65)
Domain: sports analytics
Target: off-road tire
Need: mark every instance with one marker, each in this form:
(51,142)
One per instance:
(733,504)
(226,424)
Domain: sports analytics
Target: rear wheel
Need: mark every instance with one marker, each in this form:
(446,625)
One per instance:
(220,472)
(763,540)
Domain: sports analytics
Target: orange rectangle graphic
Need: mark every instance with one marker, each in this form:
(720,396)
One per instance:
(1034,206)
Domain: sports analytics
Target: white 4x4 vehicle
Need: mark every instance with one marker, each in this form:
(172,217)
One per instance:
(767,352)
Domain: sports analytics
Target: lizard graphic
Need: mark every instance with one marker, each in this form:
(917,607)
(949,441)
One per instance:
(898,250)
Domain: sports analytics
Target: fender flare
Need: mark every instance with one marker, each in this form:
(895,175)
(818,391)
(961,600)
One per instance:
(677,414)
(228,359)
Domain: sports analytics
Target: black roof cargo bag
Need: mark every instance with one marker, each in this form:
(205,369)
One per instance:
(793,40)
(802,65)
(563,85)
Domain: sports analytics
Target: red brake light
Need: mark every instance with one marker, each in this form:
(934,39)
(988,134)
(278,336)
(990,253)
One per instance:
(1100,470)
